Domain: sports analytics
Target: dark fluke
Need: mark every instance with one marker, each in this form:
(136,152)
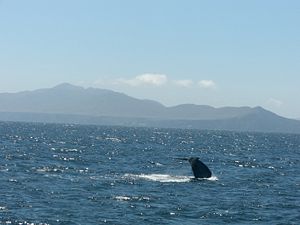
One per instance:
(200,170)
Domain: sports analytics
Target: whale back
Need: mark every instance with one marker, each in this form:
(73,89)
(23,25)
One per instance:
(200,170)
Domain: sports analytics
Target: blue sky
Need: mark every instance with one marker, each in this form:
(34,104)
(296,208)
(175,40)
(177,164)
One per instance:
(219,53)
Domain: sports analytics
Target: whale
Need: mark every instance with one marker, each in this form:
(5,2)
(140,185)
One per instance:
(200,170)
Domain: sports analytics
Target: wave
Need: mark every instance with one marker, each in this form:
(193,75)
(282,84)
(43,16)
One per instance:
(132,198)
(166,178)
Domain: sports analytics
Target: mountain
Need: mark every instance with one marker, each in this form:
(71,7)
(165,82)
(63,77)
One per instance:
(69,99)
(67,103)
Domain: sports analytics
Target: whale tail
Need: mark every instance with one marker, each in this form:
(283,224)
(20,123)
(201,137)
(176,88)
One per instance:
(199,169)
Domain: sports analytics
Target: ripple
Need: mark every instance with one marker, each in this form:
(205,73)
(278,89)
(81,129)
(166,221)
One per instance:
(132,198)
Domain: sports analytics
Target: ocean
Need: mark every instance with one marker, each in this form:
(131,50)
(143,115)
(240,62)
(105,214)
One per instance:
(77,174)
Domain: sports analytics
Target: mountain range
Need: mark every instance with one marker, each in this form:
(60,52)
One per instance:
(67,103)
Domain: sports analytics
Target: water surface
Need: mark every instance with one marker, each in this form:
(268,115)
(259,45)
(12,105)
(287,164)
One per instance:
(72,174)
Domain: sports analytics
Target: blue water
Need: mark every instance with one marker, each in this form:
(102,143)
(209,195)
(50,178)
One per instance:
(71,174)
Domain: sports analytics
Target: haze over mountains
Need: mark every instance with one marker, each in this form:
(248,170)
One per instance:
(67,103)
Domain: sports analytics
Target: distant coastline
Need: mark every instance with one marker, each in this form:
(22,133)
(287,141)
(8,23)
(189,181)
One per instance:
(66,103)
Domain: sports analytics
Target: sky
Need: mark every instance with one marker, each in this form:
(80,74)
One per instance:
(218,53)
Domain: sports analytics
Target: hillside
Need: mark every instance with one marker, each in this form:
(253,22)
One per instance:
(66,103)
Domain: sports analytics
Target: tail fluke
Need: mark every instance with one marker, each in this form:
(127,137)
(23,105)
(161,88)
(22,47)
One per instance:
(199,169)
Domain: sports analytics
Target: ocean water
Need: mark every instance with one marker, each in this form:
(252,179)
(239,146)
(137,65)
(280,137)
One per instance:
(74,174)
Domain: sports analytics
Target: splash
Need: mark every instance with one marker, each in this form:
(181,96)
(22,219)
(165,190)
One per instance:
(166,178)
(212,178)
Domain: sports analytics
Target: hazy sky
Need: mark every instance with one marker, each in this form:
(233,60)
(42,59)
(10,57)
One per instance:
(220,53)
